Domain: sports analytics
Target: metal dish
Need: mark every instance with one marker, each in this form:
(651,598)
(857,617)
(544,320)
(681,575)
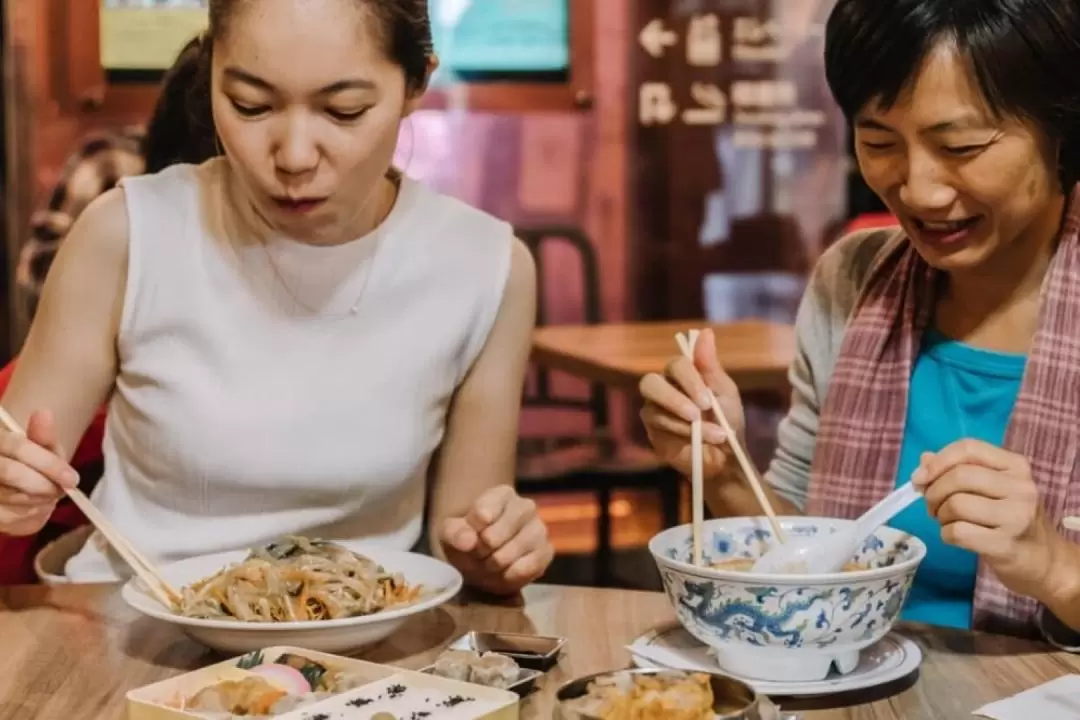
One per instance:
(535,652)
(525,683)
(734,700)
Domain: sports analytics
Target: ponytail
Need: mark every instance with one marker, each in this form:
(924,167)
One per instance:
(181,126)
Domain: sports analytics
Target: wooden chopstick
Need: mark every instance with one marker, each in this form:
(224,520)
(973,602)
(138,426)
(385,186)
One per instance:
(697,472)
(740,454)
(162,590)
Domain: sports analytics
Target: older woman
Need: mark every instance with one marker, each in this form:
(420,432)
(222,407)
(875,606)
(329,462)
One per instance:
(946,351)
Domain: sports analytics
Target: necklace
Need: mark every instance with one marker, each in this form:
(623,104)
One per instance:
(354,307)
(352,310)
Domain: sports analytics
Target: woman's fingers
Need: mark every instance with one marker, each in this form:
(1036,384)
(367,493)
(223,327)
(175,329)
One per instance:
(45,463)
(17,498)
(676,427)
(689,380)
(33,476)
(659,391)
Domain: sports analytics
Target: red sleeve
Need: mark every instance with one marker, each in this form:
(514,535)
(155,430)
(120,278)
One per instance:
(5,375)
(89,449)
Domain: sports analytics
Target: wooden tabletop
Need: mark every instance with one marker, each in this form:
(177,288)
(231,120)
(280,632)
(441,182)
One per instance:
(755,353)
(72,653)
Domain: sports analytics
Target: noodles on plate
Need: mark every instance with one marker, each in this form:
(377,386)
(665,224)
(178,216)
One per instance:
(297,579)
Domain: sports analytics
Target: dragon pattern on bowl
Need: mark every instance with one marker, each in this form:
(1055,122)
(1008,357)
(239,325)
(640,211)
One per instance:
(839,613)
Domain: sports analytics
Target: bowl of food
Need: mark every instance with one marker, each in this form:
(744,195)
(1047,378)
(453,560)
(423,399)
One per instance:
(667,694)
(326,596)
(777,626)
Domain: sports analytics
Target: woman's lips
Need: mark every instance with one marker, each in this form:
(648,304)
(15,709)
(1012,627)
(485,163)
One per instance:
(298,206)
(946,234)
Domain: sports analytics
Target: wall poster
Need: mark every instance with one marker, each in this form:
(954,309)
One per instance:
(744,170)
(148,34)
(486,40)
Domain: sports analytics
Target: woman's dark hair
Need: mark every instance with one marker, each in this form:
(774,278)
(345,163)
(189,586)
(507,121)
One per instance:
(404,28)
(1025,55)
(181,129)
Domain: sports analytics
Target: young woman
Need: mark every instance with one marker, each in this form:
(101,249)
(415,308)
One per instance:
(293,335)
(946,351)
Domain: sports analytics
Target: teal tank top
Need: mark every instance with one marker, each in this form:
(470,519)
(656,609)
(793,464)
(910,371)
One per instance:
(957,391)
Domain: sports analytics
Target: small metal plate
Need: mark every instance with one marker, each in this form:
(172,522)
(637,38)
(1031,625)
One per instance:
(536,652)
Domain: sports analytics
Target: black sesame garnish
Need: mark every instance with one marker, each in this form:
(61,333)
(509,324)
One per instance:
(359,702)
(454,700)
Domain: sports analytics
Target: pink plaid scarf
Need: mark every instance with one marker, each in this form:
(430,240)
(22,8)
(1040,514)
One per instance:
(862,421)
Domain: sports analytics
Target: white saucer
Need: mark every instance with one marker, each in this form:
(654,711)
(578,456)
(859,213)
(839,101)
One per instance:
(890,659)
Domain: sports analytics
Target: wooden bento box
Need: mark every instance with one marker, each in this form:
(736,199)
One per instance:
(370,688)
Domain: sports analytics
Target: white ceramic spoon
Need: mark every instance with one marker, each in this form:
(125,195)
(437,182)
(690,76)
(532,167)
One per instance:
(828,553)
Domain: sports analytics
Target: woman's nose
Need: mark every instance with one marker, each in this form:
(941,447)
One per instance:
(926,187)
(297,151)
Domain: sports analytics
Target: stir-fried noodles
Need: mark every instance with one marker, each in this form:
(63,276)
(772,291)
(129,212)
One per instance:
(297,579)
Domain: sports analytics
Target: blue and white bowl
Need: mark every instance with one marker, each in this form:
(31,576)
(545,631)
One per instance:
(784,627)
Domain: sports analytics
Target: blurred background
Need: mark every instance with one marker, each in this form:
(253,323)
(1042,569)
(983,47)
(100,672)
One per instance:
(672,164)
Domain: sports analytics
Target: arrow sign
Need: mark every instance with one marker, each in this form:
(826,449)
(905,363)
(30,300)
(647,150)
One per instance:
(655,38)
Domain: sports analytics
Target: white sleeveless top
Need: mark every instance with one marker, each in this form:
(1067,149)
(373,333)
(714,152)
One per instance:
(239,414)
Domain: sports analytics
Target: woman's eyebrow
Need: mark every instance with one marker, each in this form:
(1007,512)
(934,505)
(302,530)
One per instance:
(240,75)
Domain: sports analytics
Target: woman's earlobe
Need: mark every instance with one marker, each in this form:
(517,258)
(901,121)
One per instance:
(414,101)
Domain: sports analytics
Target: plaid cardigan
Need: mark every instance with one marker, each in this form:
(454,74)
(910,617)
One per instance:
(859,330)
(101,160)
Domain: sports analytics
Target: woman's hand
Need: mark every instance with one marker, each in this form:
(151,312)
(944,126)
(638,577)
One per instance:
(682,395)
(987,502)
(500,545)
(33,477)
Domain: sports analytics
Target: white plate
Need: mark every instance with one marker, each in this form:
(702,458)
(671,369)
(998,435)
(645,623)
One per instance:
(892,658)
(343,635)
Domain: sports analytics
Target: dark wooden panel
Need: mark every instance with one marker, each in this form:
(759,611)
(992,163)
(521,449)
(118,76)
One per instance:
(709,201)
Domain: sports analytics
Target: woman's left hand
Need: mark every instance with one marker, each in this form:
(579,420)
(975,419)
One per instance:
(987,502)
(500,545)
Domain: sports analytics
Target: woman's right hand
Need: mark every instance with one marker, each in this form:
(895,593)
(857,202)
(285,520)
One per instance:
(33,476)
(683,394)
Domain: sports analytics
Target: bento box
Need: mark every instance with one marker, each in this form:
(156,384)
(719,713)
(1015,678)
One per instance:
(287,683)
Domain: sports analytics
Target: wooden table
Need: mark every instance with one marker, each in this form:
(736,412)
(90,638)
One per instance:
(72,653)
(755,353)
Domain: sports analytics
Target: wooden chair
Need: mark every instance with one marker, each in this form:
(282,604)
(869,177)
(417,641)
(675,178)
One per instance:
(593,461)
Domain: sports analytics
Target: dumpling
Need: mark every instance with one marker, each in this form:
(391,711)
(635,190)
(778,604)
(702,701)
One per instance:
(495,670)
(456,664)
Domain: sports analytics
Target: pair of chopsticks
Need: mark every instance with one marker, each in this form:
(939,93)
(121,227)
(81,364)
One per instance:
(697,457)
(687,343)
(146,572)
